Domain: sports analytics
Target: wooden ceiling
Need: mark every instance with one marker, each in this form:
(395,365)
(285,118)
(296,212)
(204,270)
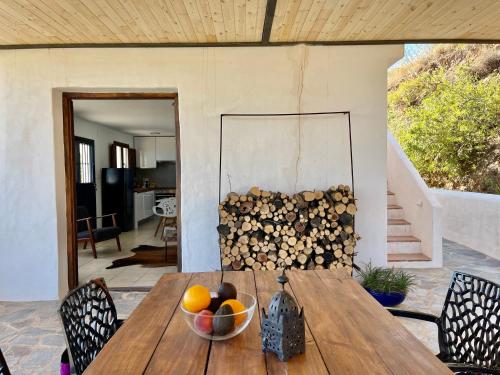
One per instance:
(25,23)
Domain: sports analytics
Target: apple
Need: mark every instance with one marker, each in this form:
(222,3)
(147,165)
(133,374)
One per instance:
(203,321)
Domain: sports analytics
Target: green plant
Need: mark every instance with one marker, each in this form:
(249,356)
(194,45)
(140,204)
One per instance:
(445,113)
(386,280)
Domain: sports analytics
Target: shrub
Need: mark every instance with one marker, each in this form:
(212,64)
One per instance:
(447,120)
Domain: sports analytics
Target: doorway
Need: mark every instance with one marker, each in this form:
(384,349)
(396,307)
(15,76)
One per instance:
(82,176)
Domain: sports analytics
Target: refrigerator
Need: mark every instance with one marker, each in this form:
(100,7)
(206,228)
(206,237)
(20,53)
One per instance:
(118,196)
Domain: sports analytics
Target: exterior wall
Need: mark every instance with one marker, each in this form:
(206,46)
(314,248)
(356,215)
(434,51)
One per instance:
(421,208)
(103,137)
(209,81)
(471,219)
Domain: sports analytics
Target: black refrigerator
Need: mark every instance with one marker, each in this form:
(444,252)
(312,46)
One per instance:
(118,196)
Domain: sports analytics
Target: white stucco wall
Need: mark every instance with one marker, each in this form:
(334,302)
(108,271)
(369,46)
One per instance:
(209,81)
(103,137)
(471,219)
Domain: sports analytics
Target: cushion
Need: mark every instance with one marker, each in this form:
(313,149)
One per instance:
(101,234)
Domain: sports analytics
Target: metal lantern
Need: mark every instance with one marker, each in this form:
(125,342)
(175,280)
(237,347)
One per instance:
(283,330)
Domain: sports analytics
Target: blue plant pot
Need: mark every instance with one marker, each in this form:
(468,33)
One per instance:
(387,299)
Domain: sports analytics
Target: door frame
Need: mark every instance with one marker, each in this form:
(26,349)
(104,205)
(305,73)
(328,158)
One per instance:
(69,163)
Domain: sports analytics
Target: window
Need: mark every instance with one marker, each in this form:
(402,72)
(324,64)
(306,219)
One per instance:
(84,157)
(120,155)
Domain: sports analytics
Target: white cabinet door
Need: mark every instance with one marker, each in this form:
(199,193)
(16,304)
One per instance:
(165,149)
(145,152)
(148,203)
(138,209)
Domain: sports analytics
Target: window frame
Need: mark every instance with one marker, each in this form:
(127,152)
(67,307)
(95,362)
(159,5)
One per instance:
(78,161)
(125,159)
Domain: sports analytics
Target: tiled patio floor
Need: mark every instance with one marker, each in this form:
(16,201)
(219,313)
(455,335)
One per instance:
(32,341)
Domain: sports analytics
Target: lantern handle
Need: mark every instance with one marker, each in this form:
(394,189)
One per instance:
(283,279)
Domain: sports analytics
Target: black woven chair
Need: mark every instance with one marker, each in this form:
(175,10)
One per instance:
(469,325)
(4,369)
(89,319)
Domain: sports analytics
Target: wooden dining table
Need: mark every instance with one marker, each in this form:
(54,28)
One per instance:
(347,332)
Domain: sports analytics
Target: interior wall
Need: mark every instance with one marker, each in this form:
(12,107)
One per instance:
(163,175)
(209,81)
(103,137)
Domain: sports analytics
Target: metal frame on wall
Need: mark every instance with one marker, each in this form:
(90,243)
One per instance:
(297,114)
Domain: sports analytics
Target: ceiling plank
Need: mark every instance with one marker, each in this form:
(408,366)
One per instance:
(207,22)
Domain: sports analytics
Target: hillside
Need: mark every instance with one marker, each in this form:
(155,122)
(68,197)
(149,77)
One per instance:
(444,109)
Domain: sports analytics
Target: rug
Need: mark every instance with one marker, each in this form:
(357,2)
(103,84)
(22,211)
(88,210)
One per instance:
(148,256)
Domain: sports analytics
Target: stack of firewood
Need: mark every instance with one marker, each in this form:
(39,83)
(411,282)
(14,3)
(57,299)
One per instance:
(264,230)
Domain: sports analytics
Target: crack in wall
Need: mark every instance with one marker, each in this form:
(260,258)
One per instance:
(229,182)
(300,89)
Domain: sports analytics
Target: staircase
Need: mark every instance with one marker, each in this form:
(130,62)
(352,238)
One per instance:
(402,246)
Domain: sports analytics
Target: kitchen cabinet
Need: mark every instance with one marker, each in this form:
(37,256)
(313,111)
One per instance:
(165,149)
(145,152)
(143,206)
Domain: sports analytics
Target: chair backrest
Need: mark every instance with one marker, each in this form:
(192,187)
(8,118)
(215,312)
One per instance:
(4,369)
(167,207)
(470,322)
(89,319)
(81,213)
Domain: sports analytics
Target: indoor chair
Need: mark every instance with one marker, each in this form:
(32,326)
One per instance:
(94,235)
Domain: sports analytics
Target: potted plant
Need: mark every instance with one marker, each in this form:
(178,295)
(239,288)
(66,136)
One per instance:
(388,286)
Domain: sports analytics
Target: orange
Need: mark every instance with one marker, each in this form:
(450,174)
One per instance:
(196,298)
(237,307)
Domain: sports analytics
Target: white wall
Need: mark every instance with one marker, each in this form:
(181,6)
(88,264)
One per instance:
(103,137)
(209,81)
(272,154)
(420,206)
(471,219)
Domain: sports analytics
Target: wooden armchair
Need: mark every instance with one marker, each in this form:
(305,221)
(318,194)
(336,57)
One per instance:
(95,235)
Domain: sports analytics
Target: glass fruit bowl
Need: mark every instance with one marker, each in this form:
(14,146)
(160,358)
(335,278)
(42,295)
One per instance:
(223,326)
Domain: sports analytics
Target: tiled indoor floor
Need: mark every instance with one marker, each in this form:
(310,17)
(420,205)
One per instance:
(130,276)
(32,341)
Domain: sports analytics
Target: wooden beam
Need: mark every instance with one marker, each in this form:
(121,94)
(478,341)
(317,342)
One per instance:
(248,44)
(268,21)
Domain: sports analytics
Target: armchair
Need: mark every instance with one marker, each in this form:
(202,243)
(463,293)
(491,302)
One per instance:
(469,325)
(95,235)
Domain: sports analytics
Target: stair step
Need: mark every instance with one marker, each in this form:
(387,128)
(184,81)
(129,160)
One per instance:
(397,222)
(398,227)
(395,211)
(393,207)
(391,199)
(402,239)
(410,257)
(403,245)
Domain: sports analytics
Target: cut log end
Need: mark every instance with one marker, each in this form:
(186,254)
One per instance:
(264,230)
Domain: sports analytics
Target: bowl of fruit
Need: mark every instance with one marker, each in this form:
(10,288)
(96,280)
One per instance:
(217,315)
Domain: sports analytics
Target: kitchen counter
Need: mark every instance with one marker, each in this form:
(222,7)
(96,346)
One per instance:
(143,190)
